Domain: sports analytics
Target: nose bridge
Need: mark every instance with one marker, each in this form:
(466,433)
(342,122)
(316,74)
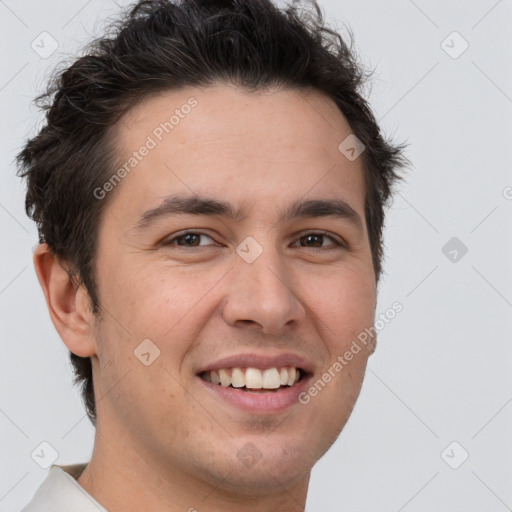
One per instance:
(261,290)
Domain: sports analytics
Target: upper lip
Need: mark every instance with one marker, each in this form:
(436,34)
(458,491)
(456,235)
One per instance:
(260,361)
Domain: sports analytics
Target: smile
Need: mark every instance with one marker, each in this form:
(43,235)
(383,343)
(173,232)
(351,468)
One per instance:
(246,379)
(256,391)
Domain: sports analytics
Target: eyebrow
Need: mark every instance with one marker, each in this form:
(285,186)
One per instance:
(196,205)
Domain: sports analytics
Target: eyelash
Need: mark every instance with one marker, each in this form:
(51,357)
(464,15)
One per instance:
(336,244)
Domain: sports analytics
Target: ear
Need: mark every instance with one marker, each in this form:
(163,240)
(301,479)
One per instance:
(68,304)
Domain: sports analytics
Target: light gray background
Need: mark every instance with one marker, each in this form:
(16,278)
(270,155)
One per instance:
(441,372)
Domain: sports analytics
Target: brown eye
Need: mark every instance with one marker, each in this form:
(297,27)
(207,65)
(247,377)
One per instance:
(315,240)
(189,239)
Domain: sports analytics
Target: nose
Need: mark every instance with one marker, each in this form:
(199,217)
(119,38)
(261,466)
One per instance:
(261,295)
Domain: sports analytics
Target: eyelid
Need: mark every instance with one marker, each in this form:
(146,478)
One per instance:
(337,241)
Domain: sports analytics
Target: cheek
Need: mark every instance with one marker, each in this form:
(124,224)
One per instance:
(147,399)
(170,301)
(150,299)
(345,301)
(145,312)
(346,307)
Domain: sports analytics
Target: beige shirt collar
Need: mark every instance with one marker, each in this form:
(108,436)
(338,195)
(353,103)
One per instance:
(60,492)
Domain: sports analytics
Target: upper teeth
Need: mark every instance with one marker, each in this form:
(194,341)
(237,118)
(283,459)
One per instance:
(253,378)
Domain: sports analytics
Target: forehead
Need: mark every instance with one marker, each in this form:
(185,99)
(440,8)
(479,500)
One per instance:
(227,142)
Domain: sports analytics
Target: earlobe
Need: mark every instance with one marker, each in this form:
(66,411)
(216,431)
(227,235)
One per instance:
(67,303)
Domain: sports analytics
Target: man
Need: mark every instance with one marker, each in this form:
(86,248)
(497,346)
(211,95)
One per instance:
(209,191)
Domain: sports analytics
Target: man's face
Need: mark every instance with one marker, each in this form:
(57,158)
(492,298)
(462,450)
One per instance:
(208,301)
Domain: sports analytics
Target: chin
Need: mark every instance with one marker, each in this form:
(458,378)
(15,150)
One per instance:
(266,479)
(265,465)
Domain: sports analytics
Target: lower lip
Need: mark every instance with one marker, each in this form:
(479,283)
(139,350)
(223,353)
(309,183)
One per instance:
(265,402)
